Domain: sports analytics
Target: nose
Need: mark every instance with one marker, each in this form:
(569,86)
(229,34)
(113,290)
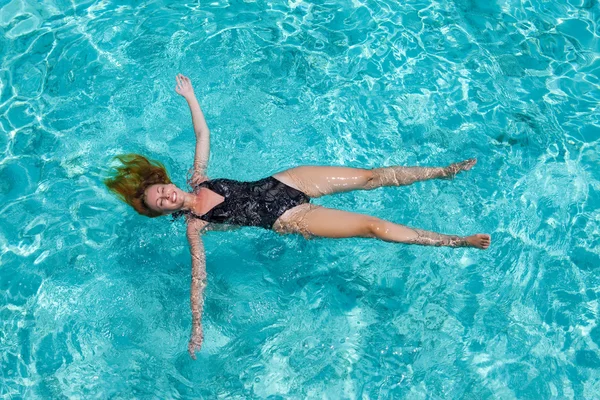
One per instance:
(169,195)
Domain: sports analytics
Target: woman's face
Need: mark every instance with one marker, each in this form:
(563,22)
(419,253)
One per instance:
(164,198)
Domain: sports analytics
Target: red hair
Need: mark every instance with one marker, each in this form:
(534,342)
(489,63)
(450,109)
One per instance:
(130,181)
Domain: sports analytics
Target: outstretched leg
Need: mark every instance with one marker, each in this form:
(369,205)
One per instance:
(400,176)
(311,220)
(317,181)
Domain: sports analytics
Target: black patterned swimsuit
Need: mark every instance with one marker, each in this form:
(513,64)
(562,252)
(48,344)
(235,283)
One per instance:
(257,203)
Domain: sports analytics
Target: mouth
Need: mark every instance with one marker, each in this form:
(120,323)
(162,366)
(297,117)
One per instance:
(174,196)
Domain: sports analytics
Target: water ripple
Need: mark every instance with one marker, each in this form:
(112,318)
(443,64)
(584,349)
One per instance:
(94,299)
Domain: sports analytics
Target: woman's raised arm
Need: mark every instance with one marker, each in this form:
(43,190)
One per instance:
(185,89)
(198,284)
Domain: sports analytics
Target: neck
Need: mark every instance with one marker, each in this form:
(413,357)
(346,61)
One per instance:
(189,201)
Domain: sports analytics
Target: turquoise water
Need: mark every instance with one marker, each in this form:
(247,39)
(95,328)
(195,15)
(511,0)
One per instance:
(94,299)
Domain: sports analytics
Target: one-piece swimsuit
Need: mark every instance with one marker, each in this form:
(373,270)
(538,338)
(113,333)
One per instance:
(257,203)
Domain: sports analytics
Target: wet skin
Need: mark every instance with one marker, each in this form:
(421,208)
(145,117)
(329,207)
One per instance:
(168,198)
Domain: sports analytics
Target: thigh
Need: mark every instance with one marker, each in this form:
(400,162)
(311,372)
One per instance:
(317,181)
(311,220)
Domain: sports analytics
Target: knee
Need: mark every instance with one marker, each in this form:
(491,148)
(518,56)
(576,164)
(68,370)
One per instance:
(371,178)
(374,226)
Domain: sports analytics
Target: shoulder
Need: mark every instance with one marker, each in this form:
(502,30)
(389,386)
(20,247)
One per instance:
(198,178)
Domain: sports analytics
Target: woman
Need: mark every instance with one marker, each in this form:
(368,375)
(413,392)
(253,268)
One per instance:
(280,202)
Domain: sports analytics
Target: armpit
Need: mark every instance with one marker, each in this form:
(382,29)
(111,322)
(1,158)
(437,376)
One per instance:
(195,177)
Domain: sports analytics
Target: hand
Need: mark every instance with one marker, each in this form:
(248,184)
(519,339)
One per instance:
(195,341)
(184,86)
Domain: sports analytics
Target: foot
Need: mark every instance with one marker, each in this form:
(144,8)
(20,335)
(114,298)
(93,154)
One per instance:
(480,240)
(453,169)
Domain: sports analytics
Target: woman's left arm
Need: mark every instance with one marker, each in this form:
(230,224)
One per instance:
(202,137)
(185,89)
(198,284)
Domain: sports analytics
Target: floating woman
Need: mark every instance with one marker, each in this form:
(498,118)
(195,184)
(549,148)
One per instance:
(280,202)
